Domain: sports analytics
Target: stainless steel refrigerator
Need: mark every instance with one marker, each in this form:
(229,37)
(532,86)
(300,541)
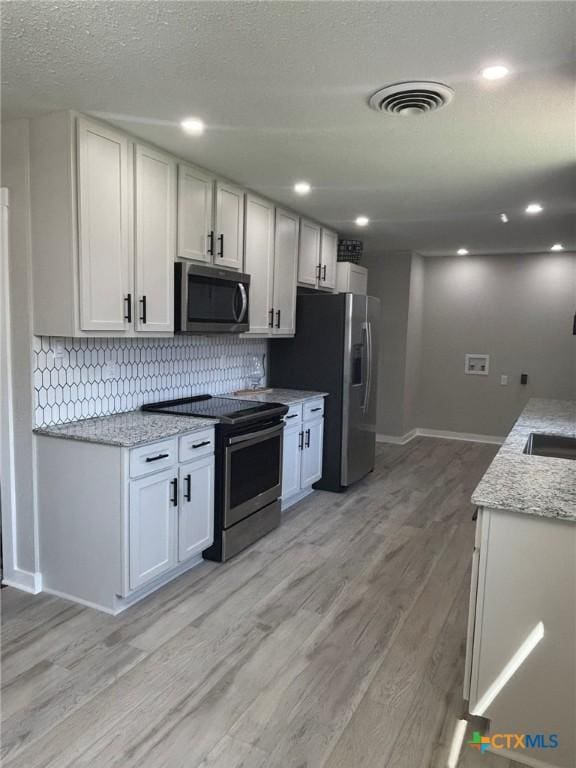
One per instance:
(335,350)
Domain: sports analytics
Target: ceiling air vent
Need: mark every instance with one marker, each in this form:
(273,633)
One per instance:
(417,98)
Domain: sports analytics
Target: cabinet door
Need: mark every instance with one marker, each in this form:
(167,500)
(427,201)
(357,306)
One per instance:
(195,214)
(309,253)
(155,246)
(328,259)
(259,262)
(196,510)
(312,453)
(291,461)
(152,535)
(285,272)
(104,229)
(229,245)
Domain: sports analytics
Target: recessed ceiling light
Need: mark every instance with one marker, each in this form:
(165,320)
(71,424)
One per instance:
(557,247)
(496,72)
(534,208)
(462,252)
(302,187)
(192,125)
(504,218)
(362,221)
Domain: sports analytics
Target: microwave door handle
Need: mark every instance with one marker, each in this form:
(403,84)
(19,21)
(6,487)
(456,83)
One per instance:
(240,316)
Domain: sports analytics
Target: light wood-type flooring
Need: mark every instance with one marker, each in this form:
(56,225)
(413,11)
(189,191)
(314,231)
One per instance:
(335,642)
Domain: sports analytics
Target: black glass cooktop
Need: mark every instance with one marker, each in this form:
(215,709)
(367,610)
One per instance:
(226,409)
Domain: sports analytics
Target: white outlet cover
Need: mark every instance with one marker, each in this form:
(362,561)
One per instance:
(477,364)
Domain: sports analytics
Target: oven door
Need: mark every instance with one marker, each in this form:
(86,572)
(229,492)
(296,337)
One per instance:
(252,472)
(212,300)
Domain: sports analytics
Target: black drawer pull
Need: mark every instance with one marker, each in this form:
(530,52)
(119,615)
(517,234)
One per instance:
(188,488)
(292,416)
(221,241)
(301,441)
(144,314)
(174,497)
(324,273)
(271,318)
(202,444)
(278,312)
(211,243)
(313,410)
(157,458)
(307,438)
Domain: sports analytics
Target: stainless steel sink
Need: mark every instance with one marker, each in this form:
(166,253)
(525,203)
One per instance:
(556,446)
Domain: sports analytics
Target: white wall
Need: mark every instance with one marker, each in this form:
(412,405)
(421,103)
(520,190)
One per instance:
(518,309)
(16,176)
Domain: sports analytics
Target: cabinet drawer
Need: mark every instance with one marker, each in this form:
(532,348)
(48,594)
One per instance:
(294,414)
(152,458)
(314,409)
(196,445)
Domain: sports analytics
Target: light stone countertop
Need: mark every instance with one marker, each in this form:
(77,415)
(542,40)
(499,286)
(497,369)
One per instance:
(534,485)
(282,396)
(127,429)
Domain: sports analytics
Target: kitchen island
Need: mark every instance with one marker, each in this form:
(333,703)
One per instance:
(521,650)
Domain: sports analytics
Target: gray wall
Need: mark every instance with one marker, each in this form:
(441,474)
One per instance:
(389,280)
(518,309)
(16,176)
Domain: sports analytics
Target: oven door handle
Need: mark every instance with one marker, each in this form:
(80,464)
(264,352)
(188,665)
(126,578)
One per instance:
(253,435)
(240,316)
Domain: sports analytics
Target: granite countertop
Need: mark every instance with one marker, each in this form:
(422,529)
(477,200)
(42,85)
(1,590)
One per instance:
(127,429)
(283,396)
(535,485)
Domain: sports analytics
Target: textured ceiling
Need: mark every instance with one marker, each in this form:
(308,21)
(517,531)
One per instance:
(283,87)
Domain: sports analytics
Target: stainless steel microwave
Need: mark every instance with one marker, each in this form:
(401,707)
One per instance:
(210,300)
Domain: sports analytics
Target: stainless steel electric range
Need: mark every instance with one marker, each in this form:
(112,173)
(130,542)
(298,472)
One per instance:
(248,478)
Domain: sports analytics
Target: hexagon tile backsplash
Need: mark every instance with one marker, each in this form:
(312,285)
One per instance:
(80,378)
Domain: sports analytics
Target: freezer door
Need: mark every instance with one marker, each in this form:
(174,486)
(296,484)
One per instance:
(359,405)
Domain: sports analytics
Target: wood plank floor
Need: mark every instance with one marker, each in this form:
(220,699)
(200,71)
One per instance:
(335,642)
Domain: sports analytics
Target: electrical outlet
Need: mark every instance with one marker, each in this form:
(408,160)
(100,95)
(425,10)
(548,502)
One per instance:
(111,370)
(504,380)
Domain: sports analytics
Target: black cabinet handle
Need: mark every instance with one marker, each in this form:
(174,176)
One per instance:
(292,416)
(188,488)
(307,438)
(157,458)
(278,318)
(313,410)
(221,241)
(128,302)
(324,273)
(143,314)
(271,318)
(174,497)
(202,444)
(211,242)
(318,271)
(301,441)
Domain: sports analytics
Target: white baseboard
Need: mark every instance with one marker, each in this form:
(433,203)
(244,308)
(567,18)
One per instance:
(445,434)
(27,581)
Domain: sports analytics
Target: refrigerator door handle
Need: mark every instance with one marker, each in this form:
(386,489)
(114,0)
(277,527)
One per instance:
(367,328)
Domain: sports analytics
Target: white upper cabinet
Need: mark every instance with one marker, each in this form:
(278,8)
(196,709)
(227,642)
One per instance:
(259,262)
(309,253)
(328,260)
(285,273)
(195,214)
(229,226)
(103,228)
(155,244)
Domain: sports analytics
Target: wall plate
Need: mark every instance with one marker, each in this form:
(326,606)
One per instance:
(477,365)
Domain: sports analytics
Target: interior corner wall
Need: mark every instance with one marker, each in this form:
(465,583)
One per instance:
(16,177)
(414,330)
(389,281)
(517,308)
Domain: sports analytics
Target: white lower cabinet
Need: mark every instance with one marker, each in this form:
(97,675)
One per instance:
(152,527)
(196,507)
(303,445)
(117,523)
